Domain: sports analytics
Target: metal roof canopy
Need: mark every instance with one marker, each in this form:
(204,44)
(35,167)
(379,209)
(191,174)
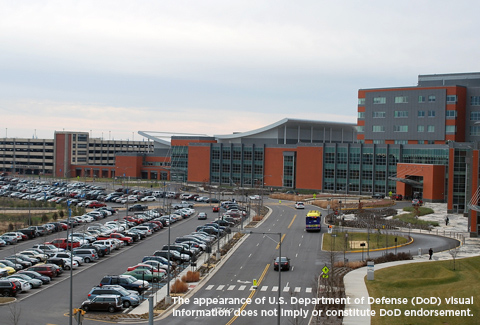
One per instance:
(407,181)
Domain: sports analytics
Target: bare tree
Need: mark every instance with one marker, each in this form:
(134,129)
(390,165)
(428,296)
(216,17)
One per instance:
(15,311)
(454,253)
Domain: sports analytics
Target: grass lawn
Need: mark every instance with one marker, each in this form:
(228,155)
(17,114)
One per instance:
(429,279)
(410,216)
(377,240)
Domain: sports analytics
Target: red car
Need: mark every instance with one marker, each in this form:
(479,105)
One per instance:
(46,270)
(96,204)
(62,243)
(216,208)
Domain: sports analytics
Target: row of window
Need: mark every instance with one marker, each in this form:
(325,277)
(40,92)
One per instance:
(237,155)
(404,128)
(451,99)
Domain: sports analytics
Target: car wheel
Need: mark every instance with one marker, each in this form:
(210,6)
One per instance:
(5,293)
(86,308)
(111,309)
(126,304)
(87,260)
(67,267)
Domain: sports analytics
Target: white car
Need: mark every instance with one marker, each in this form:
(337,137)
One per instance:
(148,199)
(299,205)
(25,284)
(66,256)
(254,197)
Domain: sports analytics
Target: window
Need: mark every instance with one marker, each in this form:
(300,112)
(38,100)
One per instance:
(400,128)
(475,116)
(475,130)
(475,100)
(361,101)
(401,114)
(421,99)
(451,114)
(401,141)
(401,99)
(431,128)
(421,114)
(360,128)
(421,141)
(451,99)
(361,115)
(378,141)
(379,114)
(379,100)
(420,128)
(431,113)
(450,128)
(378,128)
(431,98)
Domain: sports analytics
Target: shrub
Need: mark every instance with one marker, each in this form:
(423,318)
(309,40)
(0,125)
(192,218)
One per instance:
(257,218)
(45,217)
(191,277)
(179,287)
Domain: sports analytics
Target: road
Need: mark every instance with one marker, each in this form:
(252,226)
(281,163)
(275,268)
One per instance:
(232,284)
(251,261)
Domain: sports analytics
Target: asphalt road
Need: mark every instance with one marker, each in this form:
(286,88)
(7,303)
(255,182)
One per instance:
(253,260)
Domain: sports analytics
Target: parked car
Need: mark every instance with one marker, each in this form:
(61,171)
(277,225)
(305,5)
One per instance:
(35,275)
(44,269)
(417,202)
(146,275)
(128,297)
(9,288)
(111,303)
(88,254)
(35,283)
(126,281)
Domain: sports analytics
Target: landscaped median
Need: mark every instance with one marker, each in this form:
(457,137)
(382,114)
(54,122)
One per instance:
(351,242)
(440,292)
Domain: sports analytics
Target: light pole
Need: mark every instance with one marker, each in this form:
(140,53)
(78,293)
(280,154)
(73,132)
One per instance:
(71,263)
(279,243)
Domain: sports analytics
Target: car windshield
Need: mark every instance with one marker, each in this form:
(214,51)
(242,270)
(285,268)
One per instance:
(284,259)
(130,279)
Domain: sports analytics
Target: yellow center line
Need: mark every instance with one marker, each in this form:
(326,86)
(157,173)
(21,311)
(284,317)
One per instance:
(292,221)
(281,240)
(251,294)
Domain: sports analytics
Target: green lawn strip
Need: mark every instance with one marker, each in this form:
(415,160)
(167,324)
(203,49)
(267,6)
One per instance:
(425,280)
(410,216)
(377,241)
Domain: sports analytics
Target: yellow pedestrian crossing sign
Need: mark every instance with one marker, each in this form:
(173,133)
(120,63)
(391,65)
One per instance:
(254,283)
(325,271)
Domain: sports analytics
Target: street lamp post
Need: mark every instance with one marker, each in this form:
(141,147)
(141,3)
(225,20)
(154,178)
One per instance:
(279,266)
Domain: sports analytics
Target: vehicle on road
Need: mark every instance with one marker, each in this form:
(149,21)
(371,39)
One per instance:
(283,262)
(299,205)
(202,216)
(313,221)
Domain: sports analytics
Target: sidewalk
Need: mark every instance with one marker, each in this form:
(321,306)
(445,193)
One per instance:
(355,280)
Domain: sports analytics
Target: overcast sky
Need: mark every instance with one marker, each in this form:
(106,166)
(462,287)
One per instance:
(113,68)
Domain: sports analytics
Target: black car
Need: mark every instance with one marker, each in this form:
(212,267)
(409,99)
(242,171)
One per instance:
(101,250)
(126,281)
(9,288)
(109,303)
(35,275)
(284,263)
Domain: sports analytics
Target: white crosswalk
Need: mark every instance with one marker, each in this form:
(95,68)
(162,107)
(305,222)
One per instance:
(259,288)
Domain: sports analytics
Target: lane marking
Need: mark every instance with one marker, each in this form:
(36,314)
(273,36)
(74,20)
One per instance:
(308,290)
(286,289)
(275,288)
(231,287)
(292,221)
(220,287)
(209,287)
(297,289)
(264,288)
(281,240)
(252,292)
(242,287)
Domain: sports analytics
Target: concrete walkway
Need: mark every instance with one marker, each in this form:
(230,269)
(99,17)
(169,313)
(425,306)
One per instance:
(355,280)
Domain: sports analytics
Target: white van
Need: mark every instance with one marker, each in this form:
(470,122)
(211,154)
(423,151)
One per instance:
(157,193)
